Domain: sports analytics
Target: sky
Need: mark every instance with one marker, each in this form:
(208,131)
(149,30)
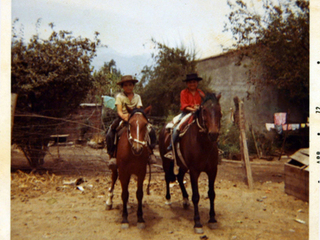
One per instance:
(127,26)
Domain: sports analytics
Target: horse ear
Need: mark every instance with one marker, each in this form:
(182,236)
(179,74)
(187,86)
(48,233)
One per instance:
(147,110)
(219,96)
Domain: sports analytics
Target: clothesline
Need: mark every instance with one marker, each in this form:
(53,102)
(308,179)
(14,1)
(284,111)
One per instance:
(280,123)
(286,127)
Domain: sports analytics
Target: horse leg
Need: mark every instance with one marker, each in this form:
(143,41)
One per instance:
(169,177)
(110,194)
(139,195)
(195,199)
(125,196)
(185,195)
(168,196)
(212,194)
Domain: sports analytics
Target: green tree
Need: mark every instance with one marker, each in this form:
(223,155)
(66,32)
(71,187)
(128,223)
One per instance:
(161,84)
(104,81)
(277,42)
(51,78)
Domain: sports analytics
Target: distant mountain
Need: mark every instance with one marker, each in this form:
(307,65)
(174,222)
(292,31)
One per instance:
(128,65)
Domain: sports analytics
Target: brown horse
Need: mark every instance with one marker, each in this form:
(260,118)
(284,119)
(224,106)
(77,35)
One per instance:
(198,153)
(132,158)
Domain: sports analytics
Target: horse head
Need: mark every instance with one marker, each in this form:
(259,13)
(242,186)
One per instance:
(210,115)
(137,130)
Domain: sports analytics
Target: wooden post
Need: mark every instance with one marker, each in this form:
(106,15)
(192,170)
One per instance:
(14,97)
(245,152)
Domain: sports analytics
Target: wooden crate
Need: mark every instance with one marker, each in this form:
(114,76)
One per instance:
(297,177)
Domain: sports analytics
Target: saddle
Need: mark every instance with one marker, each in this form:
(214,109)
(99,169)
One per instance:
(121,127)
(182,125)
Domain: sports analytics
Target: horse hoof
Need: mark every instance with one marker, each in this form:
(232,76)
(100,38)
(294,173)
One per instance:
(124,225)
(198,230)
(213,225)
(141,225)
(108,207)
(186,203)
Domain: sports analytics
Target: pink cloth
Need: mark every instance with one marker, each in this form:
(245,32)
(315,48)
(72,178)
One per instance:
(280,118)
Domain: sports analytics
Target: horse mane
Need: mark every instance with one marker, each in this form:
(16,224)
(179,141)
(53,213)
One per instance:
(136,110)
(207,97)
(210,96)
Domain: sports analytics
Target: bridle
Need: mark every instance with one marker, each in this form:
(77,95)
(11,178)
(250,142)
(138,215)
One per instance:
(202,127)
(132,140)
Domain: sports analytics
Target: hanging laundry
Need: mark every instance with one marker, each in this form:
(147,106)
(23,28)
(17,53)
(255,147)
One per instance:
(280,118)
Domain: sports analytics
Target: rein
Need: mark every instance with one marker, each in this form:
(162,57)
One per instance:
(201,129)
(200,113)
(132,140)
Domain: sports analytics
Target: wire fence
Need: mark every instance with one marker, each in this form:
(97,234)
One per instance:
(47,138)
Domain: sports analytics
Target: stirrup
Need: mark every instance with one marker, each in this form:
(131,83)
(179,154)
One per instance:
(169,155)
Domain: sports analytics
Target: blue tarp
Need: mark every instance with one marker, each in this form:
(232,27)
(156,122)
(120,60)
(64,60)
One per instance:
(109,102)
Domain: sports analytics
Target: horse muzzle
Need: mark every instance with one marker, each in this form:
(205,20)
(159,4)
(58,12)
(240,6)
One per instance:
(137,148)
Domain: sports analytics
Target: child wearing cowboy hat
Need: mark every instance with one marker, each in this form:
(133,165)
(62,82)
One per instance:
(123,99)
(190,100)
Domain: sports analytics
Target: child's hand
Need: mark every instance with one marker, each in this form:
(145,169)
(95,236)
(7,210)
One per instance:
(125,117)
(195,108)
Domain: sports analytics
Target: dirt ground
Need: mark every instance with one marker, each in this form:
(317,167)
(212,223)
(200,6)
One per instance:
(44,206)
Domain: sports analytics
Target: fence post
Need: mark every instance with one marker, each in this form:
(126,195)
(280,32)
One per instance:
(245,152)
(14,98)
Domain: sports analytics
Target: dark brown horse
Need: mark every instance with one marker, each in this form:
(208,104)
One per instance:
(198,153)
(132,158)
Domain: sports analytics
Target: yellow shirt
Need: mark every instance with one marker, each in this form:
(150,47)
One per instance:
(122,99)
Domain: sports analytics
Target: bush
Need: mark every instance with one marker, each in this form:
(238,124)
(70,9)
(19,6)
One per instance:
(51,78)
(229,139)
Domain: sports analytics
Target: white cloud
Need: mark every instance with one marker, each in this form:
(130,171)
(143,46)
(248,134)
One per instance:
(127,25)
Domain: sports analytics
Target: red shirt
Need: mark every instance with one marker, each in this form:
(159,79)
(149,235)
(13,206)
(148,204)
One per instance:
(188,100)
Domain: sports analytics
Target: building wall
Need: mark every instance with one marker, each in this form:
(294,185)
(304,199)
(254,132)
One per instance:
(231,80)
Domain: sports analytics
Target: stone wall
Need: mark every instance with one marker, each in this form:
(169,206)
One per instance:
(231,80)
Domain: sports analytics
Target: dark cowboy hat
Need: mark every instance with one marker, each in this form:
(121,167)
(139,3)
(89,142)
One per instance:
(127,78)
(192,76)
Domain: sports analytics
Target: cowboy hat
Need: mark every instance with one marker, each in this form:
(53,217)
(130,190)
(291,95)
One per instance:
(127,78)
(192,76)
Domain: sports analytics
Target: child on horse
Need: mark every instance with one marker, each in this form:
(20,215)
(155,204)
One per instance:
(131,100)
(190,100)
